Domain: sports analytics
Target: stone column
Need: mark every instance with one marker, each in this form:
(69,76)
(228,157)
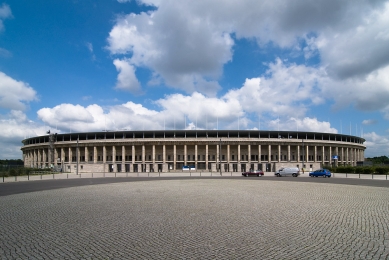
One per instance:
(174,157)
(143,157)
(288,155)
(249,154)
(259,153)
(206,156)
(196,156)
(298,153)
(279,153)
(269,152)
(306,153)
(238,160)
(104,157)
(55,157)
(315,153)
(114,168)
(94,154)
(123,158)
(185,155)
(165,167)
(86,154)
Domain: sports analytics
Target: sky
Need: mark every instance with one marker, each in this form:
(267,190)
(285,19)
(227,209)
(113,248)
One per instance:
(97,65)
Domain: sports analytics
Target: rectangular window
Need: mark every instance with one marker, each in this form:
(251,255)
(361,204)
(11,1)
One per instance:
(232,157)
(223,157)
(168,157)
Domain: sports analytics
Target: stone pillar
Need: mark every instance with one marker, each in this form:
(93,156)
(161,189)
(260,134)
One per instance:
(206,156)
(86,154)
(70,155)
(330,158)
(164,163)
(306,153)
(249,152)
(104,157)
(94,154)
(298,153)
(174,157)
(143,158)
(196,156)
(315,153)
(269,152)
(123,158)
(228,155)
(185,155)
(113,155)
(238,154)
(288,153)
(259,153)
(279,153)
(55,156)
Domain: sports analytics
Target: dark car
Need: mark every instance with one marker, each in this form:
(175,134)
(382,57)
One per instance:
(321,172)
(257,173)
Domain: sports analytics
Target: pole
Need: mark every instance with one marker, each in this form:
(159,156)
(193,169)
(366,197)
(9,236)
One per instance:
(303,155)
(77,156)
(220,156)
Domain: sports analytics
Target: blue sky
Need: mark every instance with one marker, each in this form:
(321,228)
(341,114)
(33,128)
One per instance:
(78,66)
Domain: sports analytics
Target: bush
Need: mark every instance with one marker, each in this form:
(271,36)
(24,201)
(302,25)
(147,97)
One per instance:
(359,169)
(368,170)
(12,172)
(382,170)
(345,169)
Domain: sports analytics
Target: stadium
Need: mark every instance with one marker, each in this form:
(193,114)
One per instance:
(193,150)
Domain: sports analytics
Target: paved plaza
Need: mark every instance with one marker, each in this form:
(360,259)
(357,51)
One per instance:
(239,218)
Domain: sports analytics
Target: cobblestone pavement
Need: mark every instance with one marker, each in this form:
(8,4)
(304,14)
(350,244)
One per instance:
(197,219)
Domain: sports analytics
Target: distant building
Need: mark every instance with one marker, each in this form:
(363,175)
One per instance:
(204,150)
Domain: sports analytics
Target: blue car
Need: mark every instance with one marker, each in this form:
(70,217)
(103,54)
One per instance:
(321,172)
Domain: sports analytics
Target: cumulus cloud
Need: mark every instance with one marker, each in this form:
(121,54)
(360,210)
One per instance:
(376,144)
(15,94)
(186,50)
(304,124)
(186,43)
(126,79)
(369,122)
(286,89)
(15,126)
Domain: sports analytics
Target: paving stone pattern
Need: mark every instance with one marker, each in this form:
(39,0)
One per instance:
(197,219)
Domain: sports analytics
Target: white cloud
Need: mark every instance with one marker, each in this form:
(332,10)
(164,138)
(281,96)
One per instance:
(14,128)
(285,90)
(369,122)
(126,79)
(377,145)
(183,48)
(304,124)
(15,94)
(186,43)
(5,12)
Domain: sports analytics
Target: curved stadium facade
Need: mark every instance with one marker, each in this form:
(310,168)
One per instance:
(200,150)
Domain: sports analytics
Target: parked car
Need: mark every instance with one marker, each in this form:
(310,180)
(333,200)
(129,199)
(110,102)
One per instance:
(321,172)
(293,171)
(257,173)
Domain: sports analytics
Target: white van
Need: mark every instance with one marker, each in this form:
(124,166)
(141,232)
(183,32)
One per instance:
(294,171)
